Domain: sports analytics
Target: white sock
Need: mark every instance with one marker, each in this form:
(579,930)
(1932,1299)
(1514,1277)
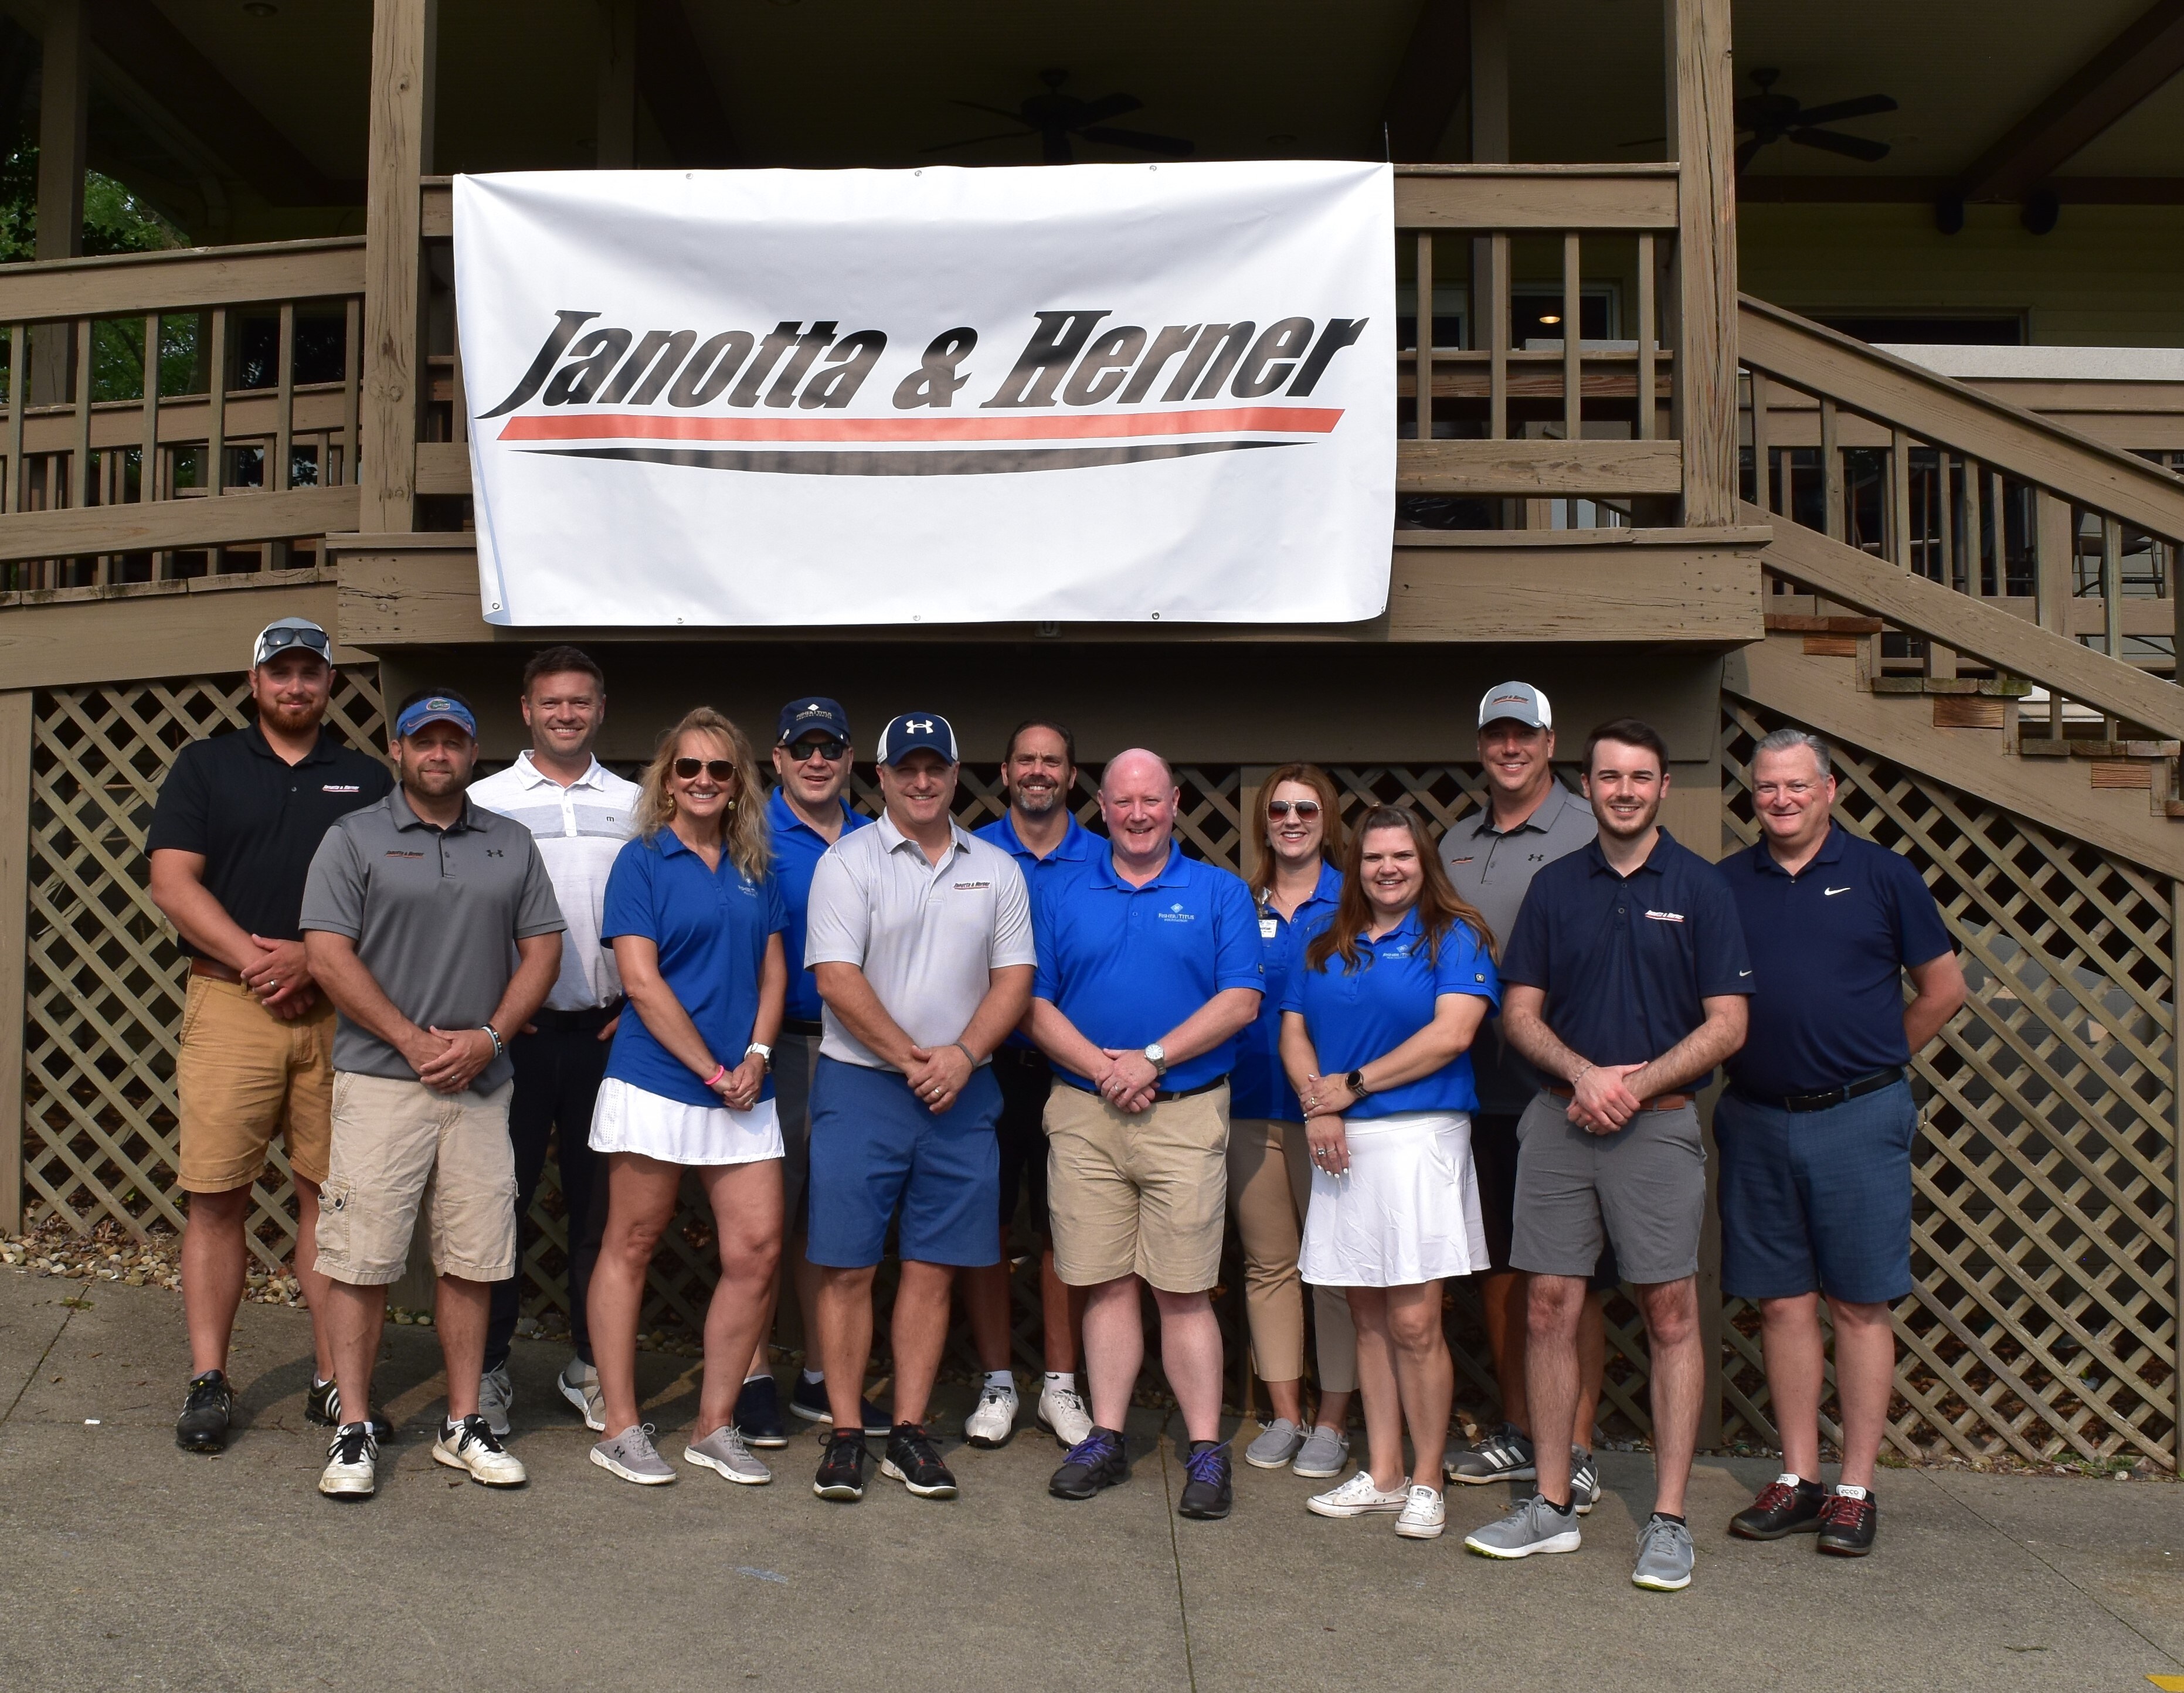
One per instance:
(1790,1478)
(1062,1381)
(815,1377)
(1001,1379)
(1850,1492)
(759,1375)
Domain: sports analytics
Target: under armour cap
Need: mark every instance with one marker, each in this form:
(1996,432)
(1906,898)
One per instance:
(1516,702)
(799,717)
(284,633)
(905,734)
(436,708)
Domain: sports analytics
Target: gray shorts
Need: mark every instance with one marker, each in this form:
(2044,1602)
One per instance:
(1643,1188)
(795,1057)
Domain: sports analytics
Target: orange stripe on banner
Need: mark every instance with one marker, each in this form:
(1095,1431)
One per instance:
(636,425)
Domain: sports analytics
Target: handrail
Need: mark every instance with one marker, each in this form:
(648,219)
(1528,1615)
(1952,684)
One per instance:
(185,279)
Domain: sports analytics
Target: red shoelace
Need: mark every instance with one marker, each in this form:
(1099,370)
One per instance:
(1840,1510)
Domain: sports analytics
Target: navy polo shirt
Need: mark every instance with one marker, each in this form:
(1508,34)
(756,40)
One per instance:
(797,846)
(1126,964)
(1625,961)
(1829,948)
(1357,1015)
(1077,844)
(711,927)
(1259,1087)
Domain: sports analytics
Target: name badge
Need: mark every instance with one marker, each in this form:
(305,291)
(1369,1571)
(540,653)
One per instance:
(1269,927)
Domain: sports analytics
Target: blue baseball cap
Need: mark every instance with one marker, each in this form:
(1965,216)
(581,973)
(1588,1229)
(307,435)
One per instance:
(435,708)
(802,717)
(905,734)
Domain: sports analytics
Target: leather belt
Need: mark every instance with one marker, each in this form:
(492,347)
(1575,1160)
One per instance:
(215,971)
(1022,1058)
(1834,1096)
(1659,1102)
(810,1027)
(1186,1093)
(589,1021)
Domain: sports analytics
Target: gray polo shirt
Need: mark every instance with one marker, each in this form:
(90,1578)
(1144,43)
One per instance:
(927,937)
(434,914)
(1493,869)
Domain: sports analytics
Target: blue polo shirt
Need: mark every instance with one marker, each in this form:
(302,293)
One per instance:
(1259,1087)
(1625,961)
(711,927)
(796,850)
(1357,1015)
(1829,948)
(1077,846)
(1126,964)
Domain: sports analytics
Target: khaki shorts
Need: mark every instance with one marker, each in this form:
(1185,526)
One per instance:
(1143,1195)
(398,1148)
(244,1077)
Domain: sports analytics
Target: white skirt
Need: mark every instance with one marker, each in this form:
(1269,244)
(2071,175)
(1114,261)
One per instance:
(628,1119)
(1406,1210)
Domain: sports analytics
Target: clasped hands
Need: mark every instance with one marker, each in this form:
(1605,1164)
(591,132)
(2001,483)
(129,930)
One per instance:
(279,978)
(1129,1080)
(447,1060)
(1325,1131)
(1601,1103)
(936,1075)
(739,1089)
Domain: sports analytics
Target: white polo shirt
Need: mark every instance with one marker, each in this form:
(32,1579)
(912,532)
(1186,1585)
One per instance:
(927,936)
(580,830)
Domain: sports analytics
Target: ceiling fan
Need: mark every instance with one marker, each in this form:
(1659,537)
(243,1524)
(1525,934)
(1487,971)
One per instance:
(1056,117)
(1768,117)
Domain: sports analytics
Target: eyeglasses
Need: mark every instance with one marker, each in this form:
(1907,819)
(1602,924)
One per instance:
(803,751)
(720,768)
(1306,810)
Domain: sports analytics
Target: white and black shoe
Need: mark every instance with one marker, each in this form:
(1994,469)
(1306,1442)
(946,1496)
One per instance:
(993,1419)
(471,1446)
(352,1470)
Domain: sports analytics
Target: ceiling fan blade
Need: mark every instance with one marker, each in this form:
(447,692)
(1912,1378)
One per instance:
(1644,141)
(1170,145)
(1864,108)
(1744,152)
(1849,146)
(973,141)
(1107,106)
(990,111)
(1055,147)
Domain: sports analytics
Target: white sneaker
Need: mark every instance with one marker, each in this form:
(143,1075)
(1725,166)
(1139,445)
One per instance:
(1062,1414)
(994,1419)
(1425,1515)
(352,1470)
(579,1384)
(470,1444)
(1356,1497)
(496,1399)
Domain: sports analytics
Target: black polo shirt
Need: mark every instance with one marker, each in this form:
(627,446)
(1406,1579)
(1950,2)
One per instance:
(1829,946)
(257,820)
(1626,961)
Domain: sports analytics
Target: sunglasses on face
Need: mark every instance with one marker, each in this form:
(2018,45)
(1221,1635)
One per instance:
(1306,810)
(830,749)
(719,769)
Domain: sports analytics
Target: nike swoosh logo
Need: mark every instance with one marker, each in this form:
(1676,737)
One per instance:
(1830,892)
(1744,973)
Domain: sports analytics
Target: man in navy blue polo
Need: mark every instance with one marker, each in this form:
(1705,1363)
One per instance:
(1815,1131)
(1625,979)
(807,813)
(1041,833)
(1148,971)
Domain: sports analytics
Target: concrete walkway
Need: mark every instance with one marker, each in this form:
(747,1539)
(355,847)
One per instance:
(125,1563)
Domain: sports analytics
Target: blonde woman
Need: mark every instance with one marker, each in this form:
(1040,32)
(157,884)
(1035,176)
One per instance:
(1296,881)
(695,921)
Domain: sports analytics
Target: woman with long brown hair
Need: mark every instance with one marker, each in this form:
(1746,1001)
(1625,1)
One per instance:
(695,921)
(1378,1018)
(1294,880)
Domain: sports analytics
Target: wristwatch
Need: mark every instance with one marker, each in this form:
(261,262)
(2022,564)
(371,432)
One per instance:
(764,1053)
(1357,1080)
(1156,1056)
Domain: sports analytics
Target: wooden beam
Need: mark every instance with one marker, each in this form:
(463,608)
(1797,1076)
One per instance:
(152,629)
(1547,197)
(1924,190)
(126,285)
(164,524)
(403,35)
(677,90)
(1703,136)
(1431,81)
(1540,470)
(1489,53)
(16,724)
(2148,53)
(63,128)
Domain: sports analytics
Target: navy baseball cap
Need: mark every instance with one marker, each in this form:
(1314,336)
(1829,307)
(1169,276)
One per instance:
(801,716)
(436,708)
(905,734)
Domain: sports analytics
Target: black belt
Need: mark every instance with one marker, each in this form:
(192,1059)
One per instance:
(810,1027)
(589,1021)
(1022,1057)
(1186,1093)
(1834,1096)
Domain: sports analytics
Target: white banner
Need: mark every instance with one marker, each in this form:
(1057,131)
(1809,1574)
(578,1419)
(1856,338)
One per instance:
(1110,393)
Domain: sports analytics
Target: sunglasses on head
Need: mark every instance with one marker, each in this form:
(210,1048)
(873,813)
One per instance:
(720,768)
(1306,810)
(829,749)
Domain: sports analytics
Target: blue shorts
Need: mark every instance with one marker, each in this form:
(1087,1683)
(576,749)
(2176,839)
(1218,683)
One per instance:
(874,1148)
(1817,1200)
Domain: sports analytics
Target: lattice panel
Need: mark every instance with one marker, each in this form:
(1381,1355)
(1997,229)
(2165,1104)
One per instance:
(2044,1322)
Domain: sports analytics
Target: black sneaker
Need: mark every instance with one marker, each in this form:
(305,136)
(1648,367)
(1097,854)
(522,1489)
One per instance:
(758,1413)
(1780,1509)
(1847,1525)
(842,1470)
(202,1425)
(322,1406)
(1208,1494)
(913,1460)
(808,1399)
(1100,1459)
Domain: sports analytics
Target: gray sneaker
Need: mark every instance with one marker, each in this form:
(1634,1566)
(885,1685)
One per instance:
(631,1456)
(1504,1454)
(1531,1525)
(579,1384)
(724,1452)
(1324,1452)
(1584,1481)
(496,1399)
(1665,1555)
(1278,1443)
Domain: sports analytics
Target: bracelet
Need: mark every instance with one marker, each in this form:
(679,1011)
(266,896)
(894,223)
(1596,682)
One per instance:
(966,1052)
(714,1079)
(1579,1076)
(492,1034)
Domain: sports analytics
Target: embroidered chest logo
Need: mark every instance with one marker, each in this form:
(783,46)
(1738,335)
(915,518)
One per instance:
(341,788)
(396,852)
(496,852)
(1176,914)
(1466,859)
(1830,892)
(1666,917)
(971,887)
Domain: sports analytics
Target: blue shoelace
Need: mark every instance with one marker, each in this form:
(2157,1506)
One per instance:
(1092,1451)
(1206,1464)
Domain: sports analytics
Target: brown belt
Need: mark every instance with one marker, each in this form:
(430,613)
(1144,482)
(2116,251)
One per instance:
(214,969)
(1659,1102)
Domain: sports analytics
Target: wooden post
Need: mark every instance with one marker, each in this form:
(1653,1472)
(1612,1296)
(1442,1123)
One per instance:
(402,35)
(1489,254)
(1424,378)
(1573,349)
(1648,401)
(2055,540)
(1941,661)
(1702,135)
(64,132)
(616,146)
(147,478)
(15,729)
